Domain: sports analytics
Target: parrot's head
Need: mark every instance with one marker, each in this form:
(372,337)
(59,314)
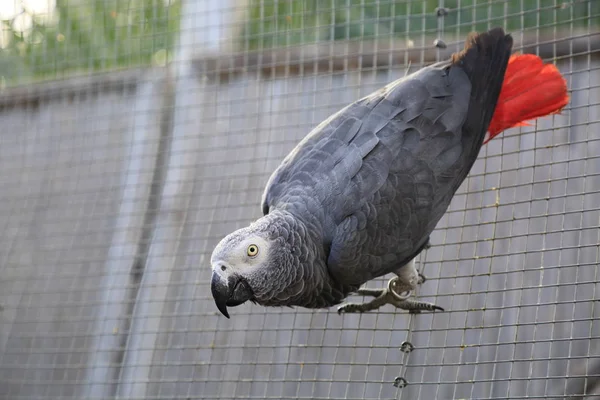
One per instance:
(252,264)
(235,262)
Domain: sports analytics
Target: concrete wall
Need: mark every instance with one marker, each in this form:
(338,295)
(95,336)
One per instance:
(513,262)
(77,162)
(115,191)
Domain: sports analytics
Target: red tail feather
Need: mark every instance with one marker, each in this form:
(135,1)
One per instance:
(531,89)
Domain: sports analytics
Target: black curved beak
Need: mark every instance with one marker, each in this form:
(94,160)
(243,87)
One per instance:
(229,293)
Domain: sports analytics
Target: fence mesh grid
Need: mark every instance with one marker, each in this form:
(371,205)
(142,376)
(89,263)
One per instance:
(152,136)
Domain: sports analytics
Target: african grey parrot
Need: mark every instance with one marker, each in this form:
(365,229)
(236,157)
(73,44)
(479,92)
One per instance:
(360,195)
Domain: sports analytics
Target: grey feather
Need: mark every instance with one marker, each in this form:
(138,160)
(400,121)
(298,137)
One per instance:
(365,189)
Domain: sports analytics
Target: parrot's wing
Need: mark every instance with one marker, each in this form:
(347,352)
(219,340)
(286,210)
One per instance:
(327,144)
(393,225)
(375,178)
(345,160)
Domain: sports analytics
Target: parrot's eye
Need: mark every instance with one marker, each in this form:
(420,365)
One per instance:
(252,250)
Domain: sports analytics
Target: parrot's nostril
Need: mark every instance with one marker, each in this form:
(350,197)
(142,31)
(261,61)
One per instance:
(223,268)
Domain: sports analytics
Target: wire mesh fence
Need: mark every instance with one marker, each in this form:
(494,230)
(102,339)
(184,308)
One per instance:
(118,183)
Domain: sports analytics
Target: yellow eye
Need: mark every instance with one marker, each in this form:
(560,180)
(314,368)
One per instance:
(252,250)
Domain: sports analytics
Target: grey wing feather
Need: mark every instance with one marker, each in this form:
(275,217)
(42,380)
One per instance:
(347,158)
(428,164)
(328,145)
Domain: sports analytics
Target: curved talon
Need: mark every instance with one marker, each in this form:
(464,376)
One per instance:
(418,306)
(350,308)
(392,284)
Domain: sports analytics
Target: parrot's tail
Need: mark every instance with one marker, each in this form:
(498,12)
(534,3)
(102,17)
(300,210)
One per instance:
(484,60)
(531,89)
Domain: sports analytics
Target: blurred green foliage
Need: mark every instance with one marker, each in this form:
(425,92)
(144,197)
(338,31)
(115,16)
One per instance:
(94,35)
(288,22)
(88,35)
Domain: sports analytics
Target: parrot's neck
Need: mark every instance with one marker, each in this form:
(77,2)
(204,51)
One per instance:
(306,281)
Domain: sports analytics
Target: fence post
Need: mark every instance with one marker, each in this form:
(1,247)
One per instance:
(206,26)
(116,285)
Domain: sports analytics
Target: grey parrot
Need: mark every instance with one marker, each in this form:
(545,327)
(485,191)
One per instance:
(360,195)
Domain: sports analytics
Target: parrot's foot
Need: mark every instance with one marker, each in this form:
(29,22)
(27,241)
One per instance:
(396,294)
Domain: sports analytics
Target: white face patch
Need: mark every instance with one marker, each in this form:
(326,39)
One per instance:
(239,256)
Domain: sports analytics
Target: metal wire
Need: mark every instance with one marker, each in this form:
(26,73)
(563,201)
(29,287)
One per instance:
(152,137)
